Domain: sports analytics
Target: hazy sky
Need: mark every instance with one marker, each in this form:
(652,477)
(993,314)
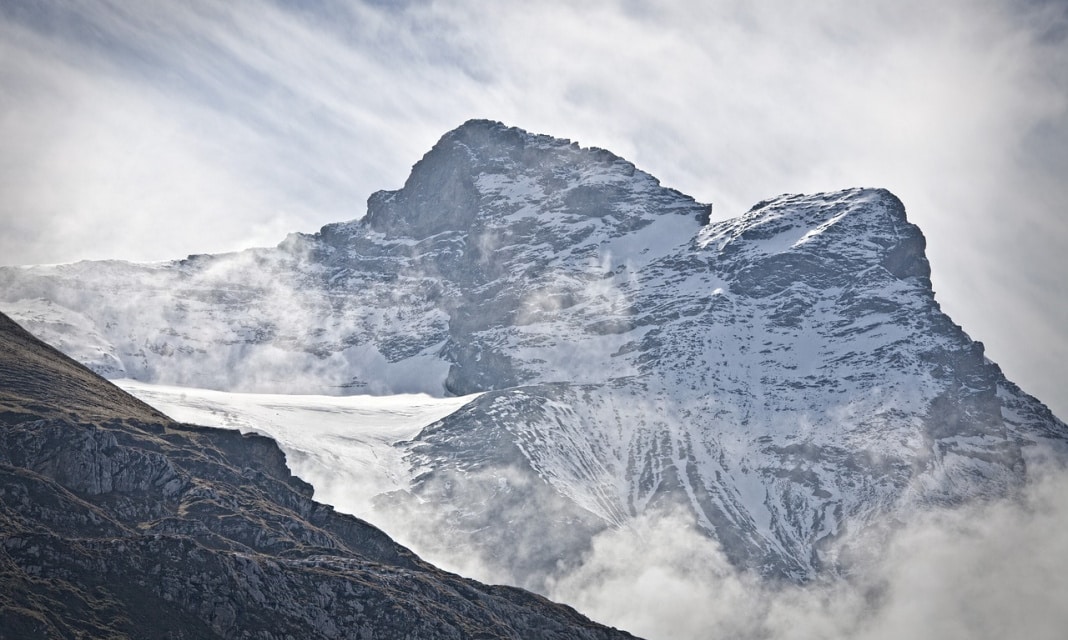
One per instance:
(150,130)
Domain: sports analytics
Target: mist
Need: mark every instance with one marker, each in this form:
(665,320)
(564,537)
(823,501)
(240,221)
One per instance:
(986,571)
(152,130)
(987,568)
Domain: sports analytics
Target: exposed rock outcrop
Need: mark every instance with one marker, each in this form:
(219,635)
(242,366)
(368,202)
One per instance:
(118,522)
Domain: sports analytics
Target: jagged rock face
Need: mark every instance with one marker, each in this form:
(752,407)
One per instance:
(126,528)
(414,307)
(783,375)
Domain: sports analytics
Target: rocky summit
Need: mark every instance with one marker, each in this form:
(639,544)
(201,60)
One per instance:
(117,522)
(782,377)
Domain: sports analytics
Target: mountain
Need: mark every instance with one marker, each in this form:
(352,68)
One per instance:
(784,377)
(118,522)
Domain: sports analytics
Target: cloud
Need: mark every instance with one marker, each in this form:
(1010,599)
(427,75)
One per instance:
(154,130)
(151,130)
(994,571)
(660,578)
(998,570)
(980,570)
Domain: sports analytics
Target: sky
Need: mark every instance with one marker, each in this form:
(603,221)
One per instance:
(151,130)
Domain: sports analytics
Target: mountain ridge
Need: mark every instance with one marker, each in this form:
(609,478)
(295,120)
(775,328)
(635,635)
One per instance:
(785,376)
(132,525)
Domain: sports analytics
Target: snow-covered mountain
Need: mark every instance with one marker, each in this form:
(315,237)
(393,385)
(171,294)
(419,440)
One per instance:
(783,376)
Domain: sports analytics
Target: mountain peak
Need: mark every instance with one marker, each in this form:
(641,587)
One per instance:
(480,128)
(825,239)
(786,374)
(484,167)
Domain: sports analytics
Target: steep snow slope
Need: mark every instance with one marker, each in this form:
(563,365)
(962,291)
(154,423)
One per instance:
(341,445)
(782,376)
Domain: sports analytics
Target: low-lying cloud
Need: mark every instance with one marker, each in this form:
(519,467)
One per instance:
(996,570)
(981,570)
(977,572)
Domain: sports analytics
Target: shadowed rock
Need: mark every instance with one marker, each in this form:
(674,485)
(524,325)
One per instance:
(118,522)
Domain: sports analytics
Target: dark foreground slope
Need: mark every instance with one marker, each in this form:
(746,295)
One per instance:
(117,522)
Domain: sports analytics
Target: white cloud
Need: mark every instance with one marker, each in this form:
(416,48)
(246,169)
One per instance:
(984,572)
(975,571)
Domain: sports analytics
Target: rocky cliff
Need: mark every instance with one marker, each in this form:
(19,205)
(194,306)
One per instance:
(118,522)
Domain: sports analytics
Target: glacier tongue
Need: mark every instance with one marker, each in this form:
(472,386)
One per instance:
(783,376)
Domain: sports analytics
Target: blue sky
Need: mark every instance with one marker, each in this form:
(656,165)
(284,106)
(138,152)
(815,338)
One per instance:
(150,130)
